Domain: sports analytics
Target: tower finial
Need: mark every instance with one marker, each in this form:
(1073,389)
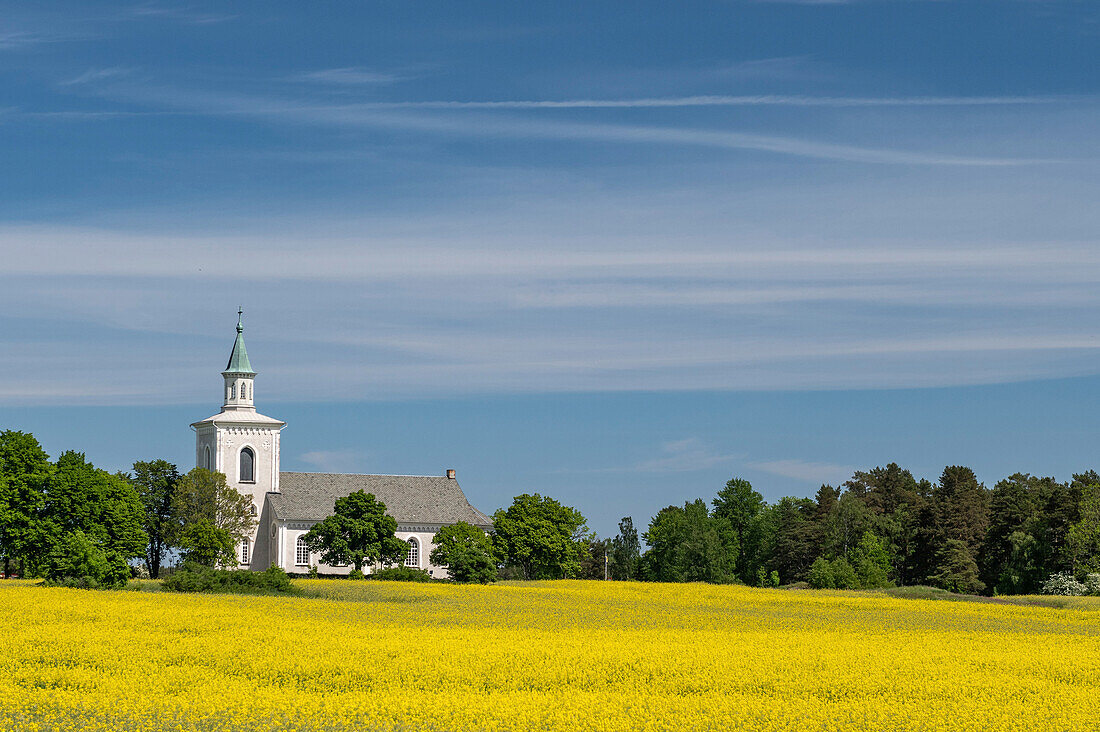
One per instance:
(240,313)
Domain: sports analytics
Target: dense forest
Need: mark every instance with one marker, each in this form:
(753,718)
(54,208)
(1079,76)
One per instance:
(881,527)
(1026,535)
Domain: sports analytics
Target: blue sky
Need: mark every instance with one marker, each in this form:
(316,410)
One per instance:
(615,253)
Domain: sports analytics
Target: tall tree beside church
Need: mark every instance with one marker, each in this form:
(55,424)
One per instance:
(209,519)
(155,481)
(81,497)
(466,551)
(358,532)
(24,469)
(89,512)
(540,536)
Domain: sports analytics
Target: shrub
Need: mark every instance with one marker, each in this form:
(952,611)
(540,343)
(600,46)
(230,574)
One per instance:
(821,575)
(844,575)
(313,573)
(402,574)
(871,561)
(355,574)
(77,561)
(1065,584)
(194,577)
(1092,584)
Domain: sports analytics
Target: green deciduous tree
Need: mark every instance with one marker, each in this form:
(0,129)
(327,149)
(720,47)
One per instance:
(820,576)
(78,559)
(870,559)
(358,532)
(155,481)
(541,537)
(1017,554)
(739,505)
(105,508)
(204,543)
(626,549)
(466,551)
(845,525)
(687,545)
(209,519)
(1083,538)
(24,470)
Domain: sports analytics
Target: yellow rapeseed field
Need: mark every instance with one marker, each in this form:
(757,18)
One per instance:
(542,656)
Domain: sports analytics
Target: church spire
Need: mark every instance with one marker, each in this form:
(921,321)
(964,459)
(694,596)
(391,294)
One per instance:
(238,359)
(238,374)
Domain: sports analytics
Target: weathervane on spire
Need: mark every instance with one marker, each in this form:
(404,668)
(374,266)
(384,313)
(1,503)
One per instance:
(240,313)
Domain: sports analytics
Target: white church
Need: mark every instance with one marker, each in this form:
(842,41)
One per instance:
(244,445)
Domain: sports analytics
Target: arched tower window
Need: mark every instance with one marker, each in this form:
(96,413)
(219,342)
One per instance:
(244,551)
(206,457)
(301,553)
(248,466)
(412,559)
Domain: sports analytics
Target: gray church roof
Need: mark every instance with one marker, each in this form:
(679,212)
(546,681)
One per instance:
(411,499)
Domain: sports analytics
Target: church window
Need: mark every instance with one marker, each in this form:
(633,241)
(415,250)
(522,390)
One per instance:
(244,552)
(232,390)
(412,559)
(248,466)
(252,509)
(301,553)
(206,457)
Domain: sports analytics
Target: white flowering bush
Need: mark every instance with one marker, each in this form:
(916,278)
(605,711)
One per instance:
(1092,584)
(1063,583)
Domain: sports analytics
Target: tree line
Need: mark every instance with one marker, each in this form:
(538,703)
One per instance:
(67,518)
(881,527)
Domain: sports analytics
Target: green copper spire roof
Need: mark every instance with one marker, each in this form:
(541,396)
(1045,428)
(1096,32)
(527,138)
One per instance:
(238,360)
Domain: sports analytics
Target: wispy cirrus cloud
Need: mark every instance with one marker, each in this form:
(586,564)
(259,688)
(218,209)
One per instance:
(185,14)
(350,76)
(727,100)
(96,75)
(808,471)
(683,456)
(470,123)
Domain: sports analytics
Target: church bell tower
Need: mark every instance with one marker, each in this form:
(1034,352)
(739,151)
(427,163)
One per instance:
(238,375)
(240,442)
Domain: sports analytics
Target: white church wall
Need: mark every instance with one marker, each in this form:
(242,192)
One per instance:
(290,532)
